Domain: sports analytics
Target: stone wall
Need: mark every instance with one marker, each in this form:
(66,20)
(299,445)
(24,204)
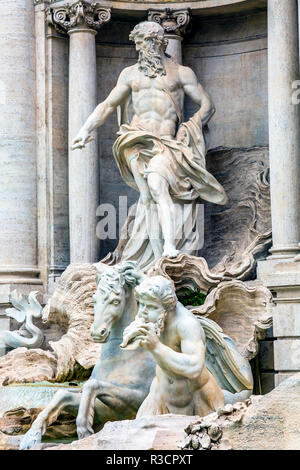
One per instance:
(229,56)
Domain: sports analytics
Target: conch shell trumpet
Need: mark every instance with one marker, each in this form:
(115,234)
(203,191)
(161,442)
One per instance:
(132,334)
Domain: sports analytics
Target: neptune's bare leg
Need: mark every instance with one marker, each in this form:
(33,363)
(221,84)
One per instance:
(159,189)
(150,208)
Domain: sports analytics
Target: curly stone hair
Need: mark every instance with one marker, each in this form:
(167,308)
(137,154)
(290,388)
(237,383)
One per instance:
(158,287)
(150,62)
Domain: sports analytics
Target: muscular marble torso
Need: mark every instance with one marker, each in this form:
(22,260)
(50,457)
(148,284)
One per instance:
(153,108)
(178,391)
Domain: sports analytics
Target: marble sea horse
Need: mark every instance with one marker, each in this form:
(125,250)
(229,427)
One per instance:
(120,380)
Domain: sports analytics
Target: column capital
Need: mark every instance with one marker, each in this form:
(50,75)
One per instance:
(174,22)
(79,14)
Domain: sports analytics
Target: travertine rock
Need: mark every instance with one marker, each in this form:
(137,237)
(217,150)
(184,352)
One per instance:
(272,422)
(162,432)
(269,422)
(240,232)
(24,365)
(9,442)
(19,420)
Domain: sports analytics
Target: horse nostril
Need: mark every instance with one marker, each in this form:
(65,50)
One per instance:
(102,332)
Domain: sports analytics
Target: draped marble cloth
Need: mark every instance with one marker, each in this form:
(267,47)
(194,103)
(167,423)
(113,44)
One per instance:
(182,164)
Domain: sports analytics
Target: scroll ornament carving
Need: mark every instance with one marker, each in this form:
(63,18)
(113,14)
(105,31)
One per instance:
(173,21)
(79,13)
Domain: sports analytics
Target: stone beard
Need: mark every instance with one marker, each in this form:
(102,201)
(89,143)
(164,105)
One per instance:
(150,62)
(163,295)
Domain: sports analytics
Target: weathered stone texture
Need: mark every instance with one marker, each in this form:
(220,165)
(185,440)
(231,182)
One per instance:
(270,422)
(230,231)
(17,135)
(162,432)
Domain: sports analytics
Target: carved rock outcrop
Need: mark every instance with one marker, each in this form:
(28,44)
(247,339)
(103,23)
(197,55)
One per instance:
(240,232)
(269,422)
(243,310)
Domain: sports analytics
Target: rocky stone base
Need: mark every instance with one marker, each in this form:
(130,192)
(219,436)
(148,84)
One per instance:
(269,422)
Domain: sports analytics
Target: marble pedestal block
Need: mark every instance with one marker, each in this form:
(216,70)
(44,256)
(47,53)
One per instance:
(282,277)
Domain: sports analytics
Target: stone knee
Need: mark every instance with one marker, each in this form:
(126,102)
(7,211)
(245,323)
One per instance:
(146,199)
(91,385)
(158,186)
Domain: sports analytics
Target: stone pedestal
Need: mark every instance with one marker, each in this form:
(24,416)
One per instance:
(282,277)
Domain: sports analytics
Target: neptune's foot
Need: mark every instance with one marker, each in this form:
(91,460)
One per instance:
(170,252)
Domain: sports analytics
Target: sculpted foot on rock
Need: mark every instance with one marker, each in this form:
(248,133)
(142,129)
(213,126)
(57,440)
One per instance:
(170,252)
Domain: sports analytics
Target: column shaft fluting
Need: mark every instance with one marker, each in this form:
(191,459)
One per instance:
(83,164)
(284,126)
(18,219)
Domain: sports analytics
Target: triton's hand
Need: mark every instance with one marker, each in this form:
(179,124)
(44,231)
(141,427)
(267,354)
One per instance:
(82,138)
(149,340)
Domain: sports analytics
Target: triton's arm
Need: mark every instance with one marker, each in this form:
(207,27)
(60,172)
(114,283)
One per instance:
(187,363)
(116,97)
(195,91)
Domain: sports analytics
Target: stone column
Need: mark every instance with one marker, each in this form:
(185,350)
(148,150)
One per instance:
(281,272)
(18,212)
(284,126)
(175,23)
(81,20)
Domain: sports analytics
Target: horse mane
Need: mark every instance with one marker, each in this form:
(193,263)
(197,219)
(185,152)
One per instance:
(122,274)
(71,307)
